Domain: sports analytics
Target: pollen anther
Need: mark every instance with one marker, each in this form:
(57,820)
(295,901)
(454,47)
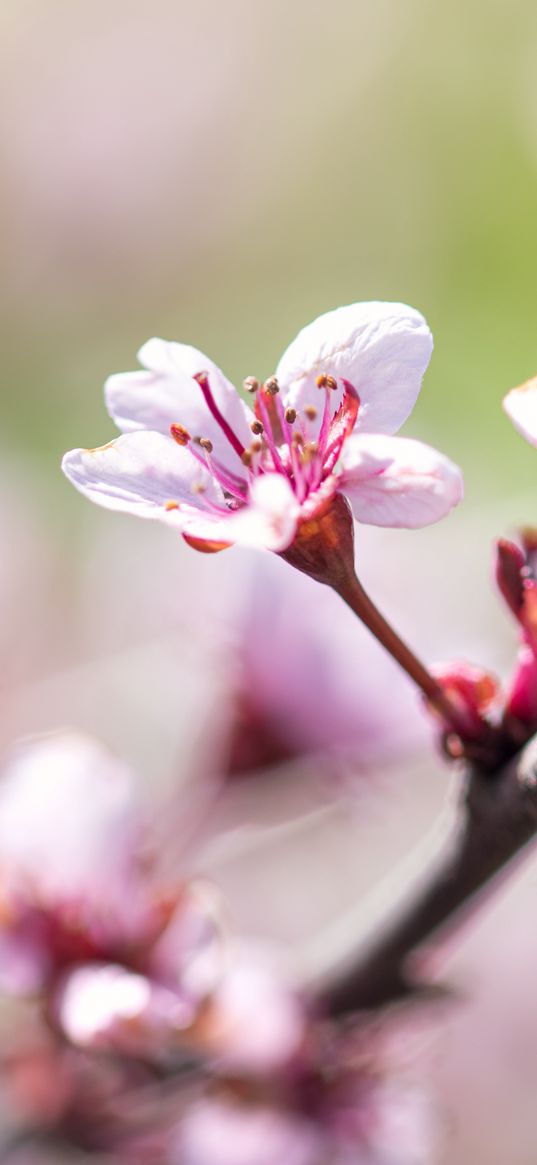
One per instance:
(309,451)
(272,386)
(206,444)
(180,434)
(256,427)
(250,384)
(311,412)
(290,416)
(324,381)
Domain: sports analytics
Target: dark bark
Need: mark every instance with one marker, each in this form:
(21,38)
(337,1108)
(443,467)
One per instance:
(498,818)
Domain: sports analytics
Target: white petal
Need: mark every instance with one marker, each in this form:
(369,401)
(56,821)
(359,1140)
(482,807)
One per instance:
(256,1025)
(394,481)
(167,394)
(143,474)
(383,349)
(149,475)
(521,407)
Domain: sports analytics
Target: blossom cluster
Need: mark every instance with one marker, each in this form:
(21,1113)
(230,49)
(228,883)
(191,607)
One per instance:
(144,1028)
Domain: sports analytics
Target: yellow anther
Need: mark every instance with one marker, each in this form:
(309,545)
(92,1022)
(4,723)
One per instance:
(324,381)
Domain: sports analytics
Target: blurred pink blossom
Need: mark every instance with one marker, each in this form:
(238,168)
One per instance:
(83,919)
(345,1103)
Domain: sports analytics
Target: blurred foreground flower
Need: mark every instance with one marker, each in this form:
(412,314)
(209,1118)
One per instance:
(206,1053)
(305,680)
(82,918)
(195,456)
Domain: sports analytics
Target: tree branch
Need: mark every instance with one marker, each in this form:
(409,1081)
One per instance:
(498,818)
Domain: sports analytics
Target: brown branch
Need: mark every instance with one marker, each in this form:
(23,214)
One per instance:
(498,818)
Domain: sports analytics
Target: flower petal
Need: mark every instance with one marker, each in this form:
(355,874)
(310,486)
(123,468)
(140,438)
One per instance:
(66,804)
(383,349)
(394,481)
(268,521)
(101,1005)
(520,405)
(146,474)
(226,1132)
(149,475)
(167,394)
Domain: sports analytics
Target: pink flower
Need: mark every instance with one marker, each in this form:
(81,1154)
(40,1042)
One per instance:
(516,578)
(195,456)
(340,1105)
(119,962)
(520,404)
(277,706)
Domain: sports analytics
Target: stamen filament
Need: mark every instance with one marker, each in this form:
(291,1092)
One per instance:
(268,435)
(325,424)
(228,482)
(203,382)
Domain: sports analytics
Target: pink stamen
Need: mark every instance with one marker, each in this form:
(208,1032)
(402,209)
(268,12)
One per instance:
(225,479)
(268,435)
(341,426)
(325,425)
(210,506)
(203,381)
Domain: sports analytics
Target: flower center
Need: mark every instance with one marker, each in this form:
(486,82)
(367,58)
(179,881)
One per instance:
(283,439)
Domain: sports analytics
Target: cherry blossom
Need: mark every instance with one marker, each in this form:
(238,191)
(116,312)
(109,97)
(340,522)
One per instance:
(520,404)
(346,1100)
(121,960)
(194,455)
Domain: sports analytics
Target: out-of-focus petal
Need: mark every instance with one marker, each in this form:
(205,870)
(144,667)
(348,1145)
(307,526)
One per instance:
(69,825)
(167,394)
(383,349)
(520,405)
(102,1005)
(191,952)
(146,474)
(214,1132)
(256,1022)
(394,481)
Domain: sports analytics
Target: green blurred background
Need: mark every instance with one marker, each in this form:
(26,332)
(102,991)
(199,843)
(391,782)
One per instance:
(222,172)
